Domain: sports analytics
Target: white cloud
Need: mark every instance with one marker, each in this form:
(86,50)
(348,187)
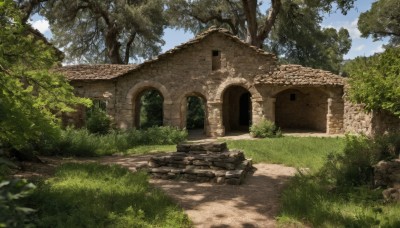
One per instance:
(360,47)
(42,25)
(351,26)
(378,49)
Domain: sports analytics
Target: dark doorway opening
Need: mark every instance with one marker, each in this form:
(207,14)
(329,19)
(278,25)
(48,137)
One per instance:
(236,109)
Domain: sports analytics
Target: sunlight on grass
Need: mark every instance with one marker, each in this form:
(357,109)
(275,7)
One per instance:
(93,195)
(147,149)
(298,152)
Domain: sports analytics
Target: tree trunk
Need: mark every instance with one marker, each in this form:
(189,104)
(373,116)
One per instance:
(113,46)
(256,35)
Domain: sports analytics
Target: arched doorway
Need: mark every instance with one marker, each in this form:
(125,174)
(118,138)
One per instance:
(301,109)
(149,108)
(194,114)
(236,109)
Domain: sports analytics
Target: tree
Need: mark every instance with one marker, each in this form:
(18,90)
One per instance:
(375,81)
(243,17)
(298,38)
(112,31)
(31,97)
(382,20)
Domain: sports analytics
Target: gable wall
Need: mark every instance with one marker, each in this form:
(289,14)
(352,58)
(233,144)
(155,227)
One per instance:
(190,71)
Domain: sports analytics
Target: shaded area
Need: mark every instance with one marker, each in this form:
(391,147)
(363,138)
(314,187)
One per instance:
(195,115)
(236,109)
(149,109)
(302,109)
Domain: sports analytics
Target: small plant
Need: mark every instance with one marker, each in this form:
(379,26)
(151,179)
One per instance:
(264,129)
(98,122)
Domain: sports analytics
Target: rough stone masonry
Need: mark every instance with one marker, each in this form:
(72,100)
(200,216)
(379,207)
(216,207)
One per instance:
(202,162)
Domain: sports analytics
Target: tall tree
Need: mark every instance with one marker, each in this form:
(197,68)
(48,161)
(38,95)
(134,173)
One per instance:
(31,97)
(299,38)
(382,20)
(243,17)
(111,31)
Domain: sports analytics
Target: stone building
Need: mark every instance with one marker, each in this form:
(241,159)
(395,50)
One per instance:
(239,84)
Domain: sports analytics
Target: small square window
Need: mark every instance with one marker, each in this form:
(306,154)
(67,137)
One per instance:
(215,53)
(292,97)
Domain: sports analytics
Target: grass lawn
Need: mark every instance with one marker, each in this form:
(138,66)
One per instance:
(93,195)
(297,152)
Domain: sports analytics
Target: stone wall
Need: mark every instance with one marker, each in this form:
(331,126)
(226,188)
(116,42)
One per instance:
(190,72)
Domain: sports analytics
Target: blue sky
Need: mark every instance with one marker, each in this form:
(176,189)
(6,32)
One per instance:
(360,46)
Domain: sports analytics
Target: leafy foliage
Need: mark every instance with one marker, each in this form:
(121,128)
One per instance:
(382,20)
(94,195)
(375,81)
(151,110)
(111,31)
(31,97)
(82,143)
(264,129)
(11,193)
(195,113)
(98,122)
(355,166)
(298,37)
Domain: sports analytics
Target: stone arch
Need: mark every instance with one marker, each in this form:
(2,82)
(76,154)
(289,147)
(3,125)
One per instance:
(237,82)
(137,89)
(183,109)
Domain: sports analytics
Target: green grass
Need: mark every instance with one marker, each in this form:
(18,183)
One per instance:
(307,201)
(93,195)
(299,152)
(148,149)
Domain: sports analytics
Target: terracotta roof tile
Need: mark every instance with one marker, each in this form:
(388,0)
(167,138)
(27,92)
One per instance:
(95,71)
(299,75)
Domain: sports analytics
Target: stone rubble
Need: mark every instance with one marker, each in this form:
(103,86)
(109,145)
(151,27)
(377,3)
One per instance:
(387,174)
(202,162)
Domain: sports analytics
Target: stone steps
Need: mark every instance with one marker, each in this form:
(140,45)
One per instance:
(203,162)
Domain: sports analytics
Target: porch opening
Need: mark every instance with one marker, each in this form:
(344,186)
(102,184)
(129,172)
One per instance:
(236,109)
(302,109)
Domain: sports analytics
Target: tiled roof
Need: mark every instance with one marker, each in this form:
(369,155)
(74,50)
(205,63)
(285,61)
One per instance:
(110,71)
(287,75)
(95,72)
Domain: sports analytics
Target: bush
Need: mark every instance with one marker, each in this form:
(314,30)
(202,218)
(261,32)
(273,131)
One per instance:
(264,129)
(355,166)
(98,122)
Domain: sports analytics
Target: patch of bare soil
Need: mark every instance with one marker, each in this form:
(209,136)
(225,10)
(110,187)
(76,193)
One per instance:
(252,204)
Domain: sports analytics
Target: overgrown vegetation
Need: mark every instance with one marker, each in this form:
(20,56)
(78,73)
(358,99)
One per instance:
(83,143)
(98,122)
(341,193)
(374,81)
(93,195)
(265,129)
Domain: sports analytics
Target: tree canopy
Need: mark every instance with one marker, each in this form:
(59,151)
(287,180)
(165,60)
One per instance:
(31,97)
(382,20)
(290,28)
(111,31)
(375,81)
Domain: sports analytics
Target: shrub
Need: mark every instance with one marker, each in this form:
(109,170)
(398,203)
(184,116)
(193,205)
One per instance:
(264,129)
(355,166)
(80,142)
(98,122)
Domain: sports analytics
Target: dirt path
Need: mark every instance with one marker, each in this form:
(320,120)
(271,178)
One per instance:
(252,204)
